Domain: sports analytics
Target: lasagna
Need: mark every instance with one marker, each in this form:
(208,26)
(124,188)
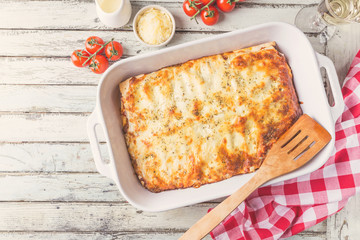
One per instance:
(207,119)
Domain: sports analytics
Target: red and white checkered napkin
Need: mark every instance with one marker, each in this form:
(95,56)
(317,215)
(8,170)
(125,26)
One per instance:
(287,208)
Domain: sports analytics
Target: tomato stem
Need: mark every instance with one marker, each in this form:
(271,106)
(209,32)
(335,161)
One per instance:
(207,5)
(210,13)
(199,10)
(194,3)
(94,54)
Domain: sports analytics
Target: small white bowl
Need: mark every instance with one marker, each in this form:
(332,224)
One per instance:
(161,9)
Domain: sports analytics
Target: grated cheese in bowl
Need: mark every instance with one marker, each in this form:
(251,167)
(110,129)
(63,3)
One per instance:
(154,26)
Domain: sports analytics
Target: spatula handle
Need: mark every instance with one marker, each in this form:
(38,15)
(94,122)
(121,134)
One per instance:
(201,228)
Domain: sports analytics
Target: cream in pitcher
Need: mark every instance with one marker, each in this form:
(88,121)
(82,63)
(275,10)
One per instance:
(109,6)
(113,13)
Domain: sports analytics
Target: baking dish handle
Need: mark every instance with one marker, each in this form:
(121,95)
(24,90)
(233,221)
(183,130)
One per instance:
(101,165)
(326,63)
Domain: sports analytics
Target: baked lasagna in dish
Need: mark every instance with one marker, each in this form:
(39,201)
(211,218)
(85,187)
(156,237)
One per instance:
(207,119)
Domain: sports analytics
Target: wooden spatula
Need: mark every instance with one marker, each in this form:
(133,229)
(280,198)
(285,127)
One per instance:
(293,149)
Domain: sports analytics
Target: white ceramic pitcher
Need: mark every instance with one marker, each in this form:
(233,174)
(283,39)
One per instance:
(115,19)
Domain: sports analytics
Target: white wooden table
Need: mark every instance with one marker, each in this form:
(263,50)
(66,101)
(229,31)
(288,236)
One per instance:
(49,187)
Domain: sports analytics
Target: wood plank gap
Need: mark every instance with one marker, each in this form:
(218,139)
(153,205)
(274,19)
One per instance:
(51,57)
(245,4)
(123,203)
(33,56)
(311,34)
(48,84)
(54,57)
(110,202)
(205,31)
(151,231)
(213,203)
(45,173)
(108,30)
(310,233)
(115,30)
(47,113)
(212,31)
(47,142)
(70,202)
(272,5)
(326,48)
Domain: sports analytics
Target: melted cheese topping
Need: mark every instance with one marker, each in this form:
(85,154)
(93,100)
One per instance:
(207,119)
(154,26)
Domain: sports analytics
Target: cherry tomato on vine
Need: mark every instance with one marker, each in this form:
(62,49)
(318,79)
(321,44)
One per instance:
(99,64)
(210,15)
(226,5)
(93,43)
(113,50)
(190,7)
(78,57)
(204,2)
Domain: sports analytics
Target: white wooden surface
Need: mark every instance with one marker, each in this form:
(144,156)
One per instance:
(49,186)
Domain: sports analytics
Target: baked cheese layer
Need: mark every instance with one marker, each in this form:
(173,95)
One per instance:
(208,119)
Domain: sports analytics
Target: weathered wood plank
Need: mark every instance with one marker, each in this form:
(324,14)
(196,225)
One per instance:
(82,15)
(47,157)
(14,45)
(348,38)
(96,189)
(92,236)
(47,98)
(345,224)
(58,187)
(91,188)
(44,70)
(48,44)
(123,236)
(104,217)
(309,235)
(44,128)
(93,217)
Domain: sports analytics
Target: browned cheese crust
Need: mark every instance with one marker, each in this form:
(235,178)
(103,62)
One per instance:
(207,119)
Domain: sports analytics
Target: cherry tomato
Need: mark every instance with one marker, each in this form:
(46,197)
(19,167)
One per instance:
(204,2)
(99,64)
(190,7)
(78,57)
(93,43)
(113,50)
(210,15)
(226,5)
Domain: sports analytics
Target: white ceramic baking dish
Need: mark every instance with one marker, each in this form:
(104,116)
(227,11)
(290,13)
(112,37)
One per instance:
(305,65)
